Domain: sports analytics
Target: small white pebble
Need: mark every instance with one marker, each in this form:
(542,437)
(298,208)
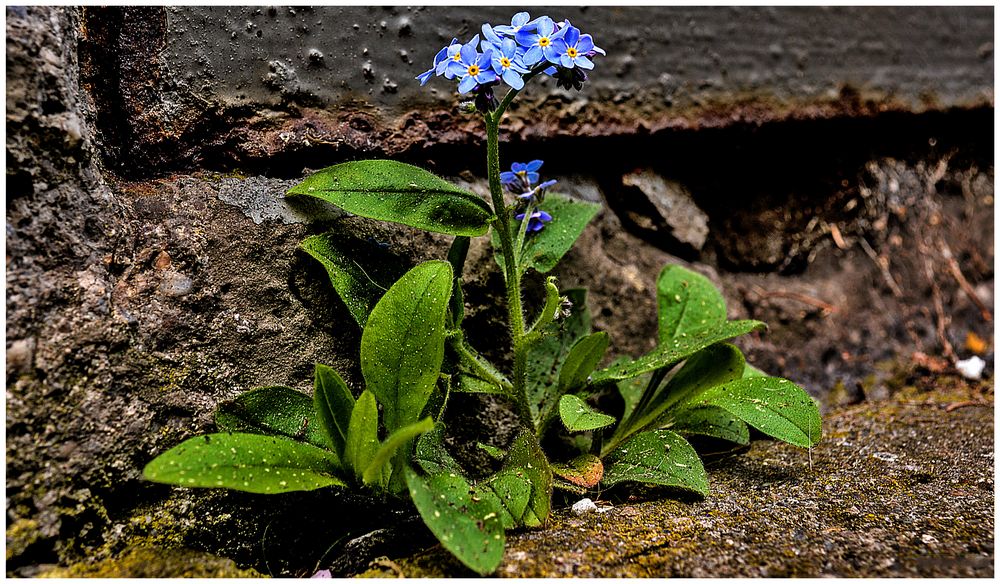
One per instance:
(584,506)
(971,368)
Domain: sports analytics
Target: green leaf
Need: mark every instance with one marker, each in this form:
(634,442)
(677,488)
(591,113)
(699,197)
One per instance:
(276,410)
(631,390)
(660,457)
(675,351)
(470,529)
(577,416)
(688,303)
(431,454)
(751,371)
(546,356)
(775,406)
(525,459)
(362,434)
(511,492)
(402,346)
(334,403)
(401,193)
(584,471)
(360,272)
(711,421)
(396,441)
(543,249)
(493,451)
(246,462)
(712,366)
(582,360)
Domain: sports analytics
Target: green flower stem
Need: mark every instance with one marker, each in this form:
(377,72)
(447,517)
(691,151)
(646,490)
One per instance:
(552,301)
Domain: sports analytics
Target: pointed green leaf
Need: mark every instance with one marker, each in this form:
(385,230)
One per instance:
(359,271)
(546,356)
(775,406)
(276,410)
(402,346)
(543,249)
(712,366)
(688,303)
(401,193)
(660,457)
(362,434)
(577,416)
(470,528)
(675,351)
(246,462)
(711,421)
(582,360)
(751,371)
(431,454)
(631,390)
(584,471)
(511,491)
(525,458)
(493,451)
(397,440)
(334,403)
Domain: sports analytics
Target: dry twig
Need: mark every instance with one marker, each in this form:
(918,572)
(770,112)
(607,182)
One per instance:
(803,298)
(883,265)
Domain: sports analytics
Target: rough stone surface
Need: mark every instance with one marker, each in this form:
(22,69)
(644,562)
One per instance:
(901,488)
(676,215)
(136,304)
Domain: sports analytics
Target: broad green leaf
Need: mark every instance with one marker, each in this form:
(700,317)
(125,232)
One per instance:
(660,457)
(582,360)
(584,471)
(246,462)
(362,434)
(751,371)
(688,303)
(393,444)
(511,490)
(431,454)
(775,406)
(457,253)
(577,416)
(546,356)
(276,410)
(675,351)
(525,458)
(402,346)
(334,404)
(711,421)
(544,249)
(712,366)
(359,271)
(401,193)
(470,528)
(468,382)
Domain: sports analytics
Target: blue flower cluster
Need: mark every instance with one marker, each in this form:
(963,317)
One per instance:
(508,52)
(522,180)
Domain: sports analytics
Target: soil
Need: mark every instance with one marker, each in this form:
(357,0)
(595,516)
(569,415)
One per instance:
(138,301)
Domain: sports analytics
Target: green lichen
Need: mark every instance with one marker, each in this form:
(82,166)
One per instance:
(151,562)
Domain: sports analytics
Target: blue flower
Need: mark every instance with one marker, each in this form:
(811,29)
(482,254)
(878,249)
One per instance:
(573,48)
(440,60)
(524,173)
(471,67)
(507,63)
(539,43)
(518,23)
(536,221)
(537,194)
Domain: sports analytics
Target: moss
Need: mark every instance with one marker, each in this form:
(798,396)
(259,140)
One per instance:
(21,535)
(150,562)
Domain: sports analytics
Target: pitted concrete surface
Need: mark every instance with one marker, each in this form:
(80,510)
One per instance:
(680,56)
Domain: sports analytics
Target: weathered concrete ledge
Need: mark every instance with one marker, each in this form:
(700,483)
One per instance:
(901,488)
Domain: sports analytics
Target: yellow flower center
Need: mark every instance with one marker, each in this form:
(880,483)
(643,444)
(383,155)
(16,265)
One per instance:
(544,42)
(473,70)
(457,57)
(504,62)
(572,53)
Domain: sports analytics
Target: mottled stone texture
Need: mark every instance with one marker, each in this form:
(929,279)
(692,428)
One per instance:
(152,268)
